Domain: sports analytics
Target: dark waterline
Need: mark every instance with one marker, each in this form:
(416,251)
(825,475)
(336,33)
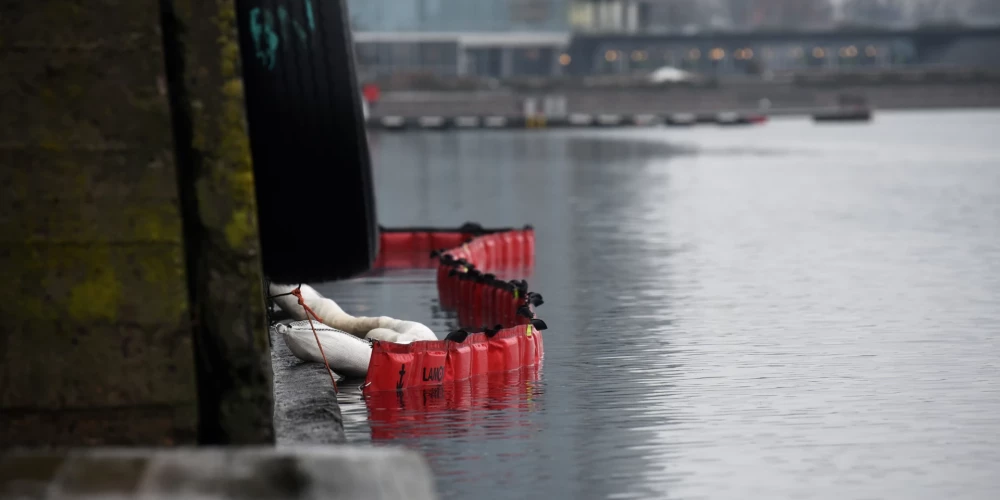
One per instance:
(786,311)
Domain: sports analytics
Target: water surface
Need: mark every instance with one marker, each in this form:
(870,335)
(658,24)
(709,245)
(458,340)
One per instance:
(785,311)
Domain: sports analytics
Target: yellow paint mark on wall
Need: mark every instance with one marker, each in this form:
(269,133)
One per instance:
(96,298)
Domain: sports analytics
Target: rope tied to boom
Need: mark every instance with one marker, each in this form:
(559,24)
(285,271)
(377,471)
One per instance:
(309,315)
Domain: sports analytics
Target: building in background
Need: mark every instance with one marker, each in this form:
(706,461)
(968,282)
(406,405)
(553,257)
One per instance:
(719,37)
(886,13)
(780,14)
(488,38)
(518,38)
(984,12)
(692,16)
(613,16)
(450,16)
(736,53)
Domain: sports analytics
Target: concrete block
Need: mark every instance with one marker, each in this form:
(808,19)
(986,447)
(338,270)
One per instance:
(305,407)
(218,203)
(98,345)
(160,425)
(313,472)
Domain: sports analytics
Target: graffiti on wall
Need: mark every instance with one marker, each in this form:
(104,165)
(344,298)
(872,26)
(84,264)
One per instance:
(270,27)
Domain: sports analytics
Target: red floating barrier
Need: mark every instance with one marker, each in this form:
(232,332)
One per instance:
(432,366)
(511,249)
(486,299)
(479,299)
(517,301)
(448,240)
(493,256)
(529,347)
(499,296)
(396,241)
(400,366)
(477,252)
(458,364)
(421,243)
(505,350)
(480,353)
(534,332)
(476,301)
(489,249)
(467,285)
(539,346)
(392,366)
(442,286)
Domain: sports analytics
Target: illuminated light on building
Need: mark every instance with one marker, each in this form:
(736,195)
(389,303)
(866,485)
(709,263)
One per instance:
(871,51)
(849,52)
(565,59)
(819,53)
(611,56)
(717,54)
(694,54)
(639,55)
(743,54)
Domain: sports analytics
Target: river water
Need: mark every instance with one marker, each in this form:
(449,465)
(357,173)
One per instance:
(782,311)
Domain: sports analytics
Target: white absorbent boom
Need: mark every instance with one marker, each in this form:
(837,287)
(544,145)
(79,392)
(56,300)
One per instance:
(381,328)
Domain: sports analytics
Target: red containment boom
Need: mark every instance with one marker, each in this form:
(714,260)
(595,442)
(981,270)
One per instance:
(465,259)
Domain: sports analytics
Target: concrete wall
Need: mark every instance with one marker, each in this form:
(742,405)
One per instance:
(97,342)
(218,204)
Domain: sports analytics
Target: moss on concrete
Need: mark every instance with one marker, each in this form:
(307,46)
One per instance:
(92,230)
(97,345)
(232,338)
(97,297)
(140,356)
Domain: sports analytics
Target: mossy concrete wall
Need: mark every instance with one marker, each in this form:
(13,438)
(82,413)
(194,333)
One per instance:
(97,235)
(218,203)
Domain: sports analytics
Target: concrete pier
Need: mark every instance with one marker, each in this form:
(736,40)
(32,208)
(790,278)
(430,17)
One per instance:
(781,98)
(97,346)
(305,406)
(134,313)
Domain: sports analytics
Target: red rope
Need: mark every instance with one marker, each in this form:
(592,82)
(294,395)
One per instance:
(309,312)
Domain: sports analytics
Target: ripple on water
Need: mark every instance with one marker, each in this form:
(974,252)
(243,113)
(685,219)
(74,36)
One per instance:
(781,311)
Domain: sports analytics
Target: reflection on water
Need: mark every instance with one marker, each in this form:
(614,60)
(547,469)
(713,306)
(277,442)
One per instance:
(782,311)
(464,409)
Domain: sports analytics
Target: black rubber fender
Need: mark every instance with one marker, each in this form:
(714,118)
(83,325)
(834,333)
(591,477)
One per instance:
(312,167)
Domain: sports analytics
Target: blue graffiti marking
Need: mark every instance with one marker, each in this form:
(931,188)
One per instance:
(265,40)
(265,37)
(284,19)
(309,15)
(302,33)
